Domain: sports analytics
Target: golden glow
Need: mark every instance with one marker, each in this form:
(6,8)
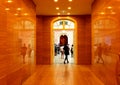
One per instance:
(58,13)
(7,9)
(109,7)
(9,1)
(25,14)
(68,17)
(113,13)
(102,13)
(68,13)
(55,0)
(70,0)
(69,7)
(16,14)
(18,8)
(57,8)
(59,17)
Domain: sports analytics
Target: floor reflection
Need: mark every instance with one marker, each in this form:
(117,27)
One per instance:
(59,60)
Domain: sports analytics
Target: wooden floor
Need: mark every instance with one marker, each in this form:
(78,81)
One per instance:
(70,74)
(63,75)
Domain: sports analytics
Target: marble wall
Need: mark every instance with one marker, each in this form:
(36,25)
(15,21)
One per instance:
(105,28)
(15,18)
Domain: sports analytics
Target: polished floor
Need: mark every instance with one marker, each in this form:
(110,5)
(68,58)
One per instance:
(70,74)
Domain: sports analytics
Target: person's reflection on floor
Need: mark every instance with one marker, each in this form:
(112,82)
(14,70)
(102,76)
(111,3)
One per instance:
(66,72)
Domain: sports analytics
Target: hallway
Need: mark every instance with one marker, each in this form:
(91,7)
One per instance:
(27,53)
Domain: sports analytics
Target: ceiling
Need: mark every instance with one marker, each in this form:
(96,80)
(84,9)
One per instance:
(48,7)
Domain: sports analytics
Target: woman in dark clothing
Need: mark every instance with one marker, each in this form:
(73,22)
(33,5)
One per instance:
(66,52)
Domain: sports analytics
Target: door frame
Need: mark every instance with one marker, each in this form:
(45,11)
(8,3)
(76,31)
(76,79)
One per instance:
(52,39)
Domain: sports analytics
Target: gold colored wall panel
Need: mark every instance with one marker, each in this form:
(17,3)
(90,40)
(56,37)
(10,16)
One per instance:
(11,64)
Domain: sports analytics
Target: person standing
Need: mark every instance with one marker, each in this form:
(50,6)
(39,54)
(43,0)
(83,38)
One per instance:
(66,52)
(29,50)
(62,52)
(71,51)
(100,52)
(23,52)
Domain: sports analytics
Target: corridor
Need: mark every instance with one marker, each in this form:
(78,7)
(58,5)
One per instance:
(30,29)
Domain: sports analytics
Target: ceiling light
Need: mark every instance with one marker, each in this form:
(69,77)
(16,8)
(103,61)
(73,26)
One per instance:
(69,7)
(70,0)
(9,1)
(109,7)
(18,8)
(55,0)
(7,9)
(57,8)
(25,14)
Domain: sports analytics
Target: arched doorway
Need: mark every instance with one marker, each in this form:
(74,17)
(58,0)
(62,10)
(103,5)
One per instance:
(63,30)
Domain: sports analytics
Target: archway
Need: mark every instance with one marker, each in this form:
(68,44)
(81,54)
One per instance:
(60,28)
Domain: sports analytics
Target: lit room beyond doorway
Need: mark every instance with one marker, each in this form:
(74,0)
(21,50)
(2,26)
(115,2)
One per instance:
(63,35)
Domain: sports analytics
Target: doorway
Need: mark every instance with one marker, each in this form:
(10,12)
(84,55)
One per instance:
(63,32)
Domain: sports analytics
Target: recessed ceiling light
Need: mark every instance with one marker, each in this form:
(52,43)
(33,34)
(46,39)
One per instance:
(57,8)
(69,7)
(55,0)
(70,0)
(18,8)
(7,9)
(25,14)
(109,7)
(9,1)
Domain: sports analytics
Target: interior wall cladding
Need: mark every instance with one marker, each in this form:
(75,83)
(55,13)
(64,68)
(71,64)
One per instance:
(11,67)
(113,33)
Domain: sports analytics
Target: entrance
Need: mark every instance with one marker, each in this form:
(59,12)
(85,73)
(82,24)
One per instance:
(63,32)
